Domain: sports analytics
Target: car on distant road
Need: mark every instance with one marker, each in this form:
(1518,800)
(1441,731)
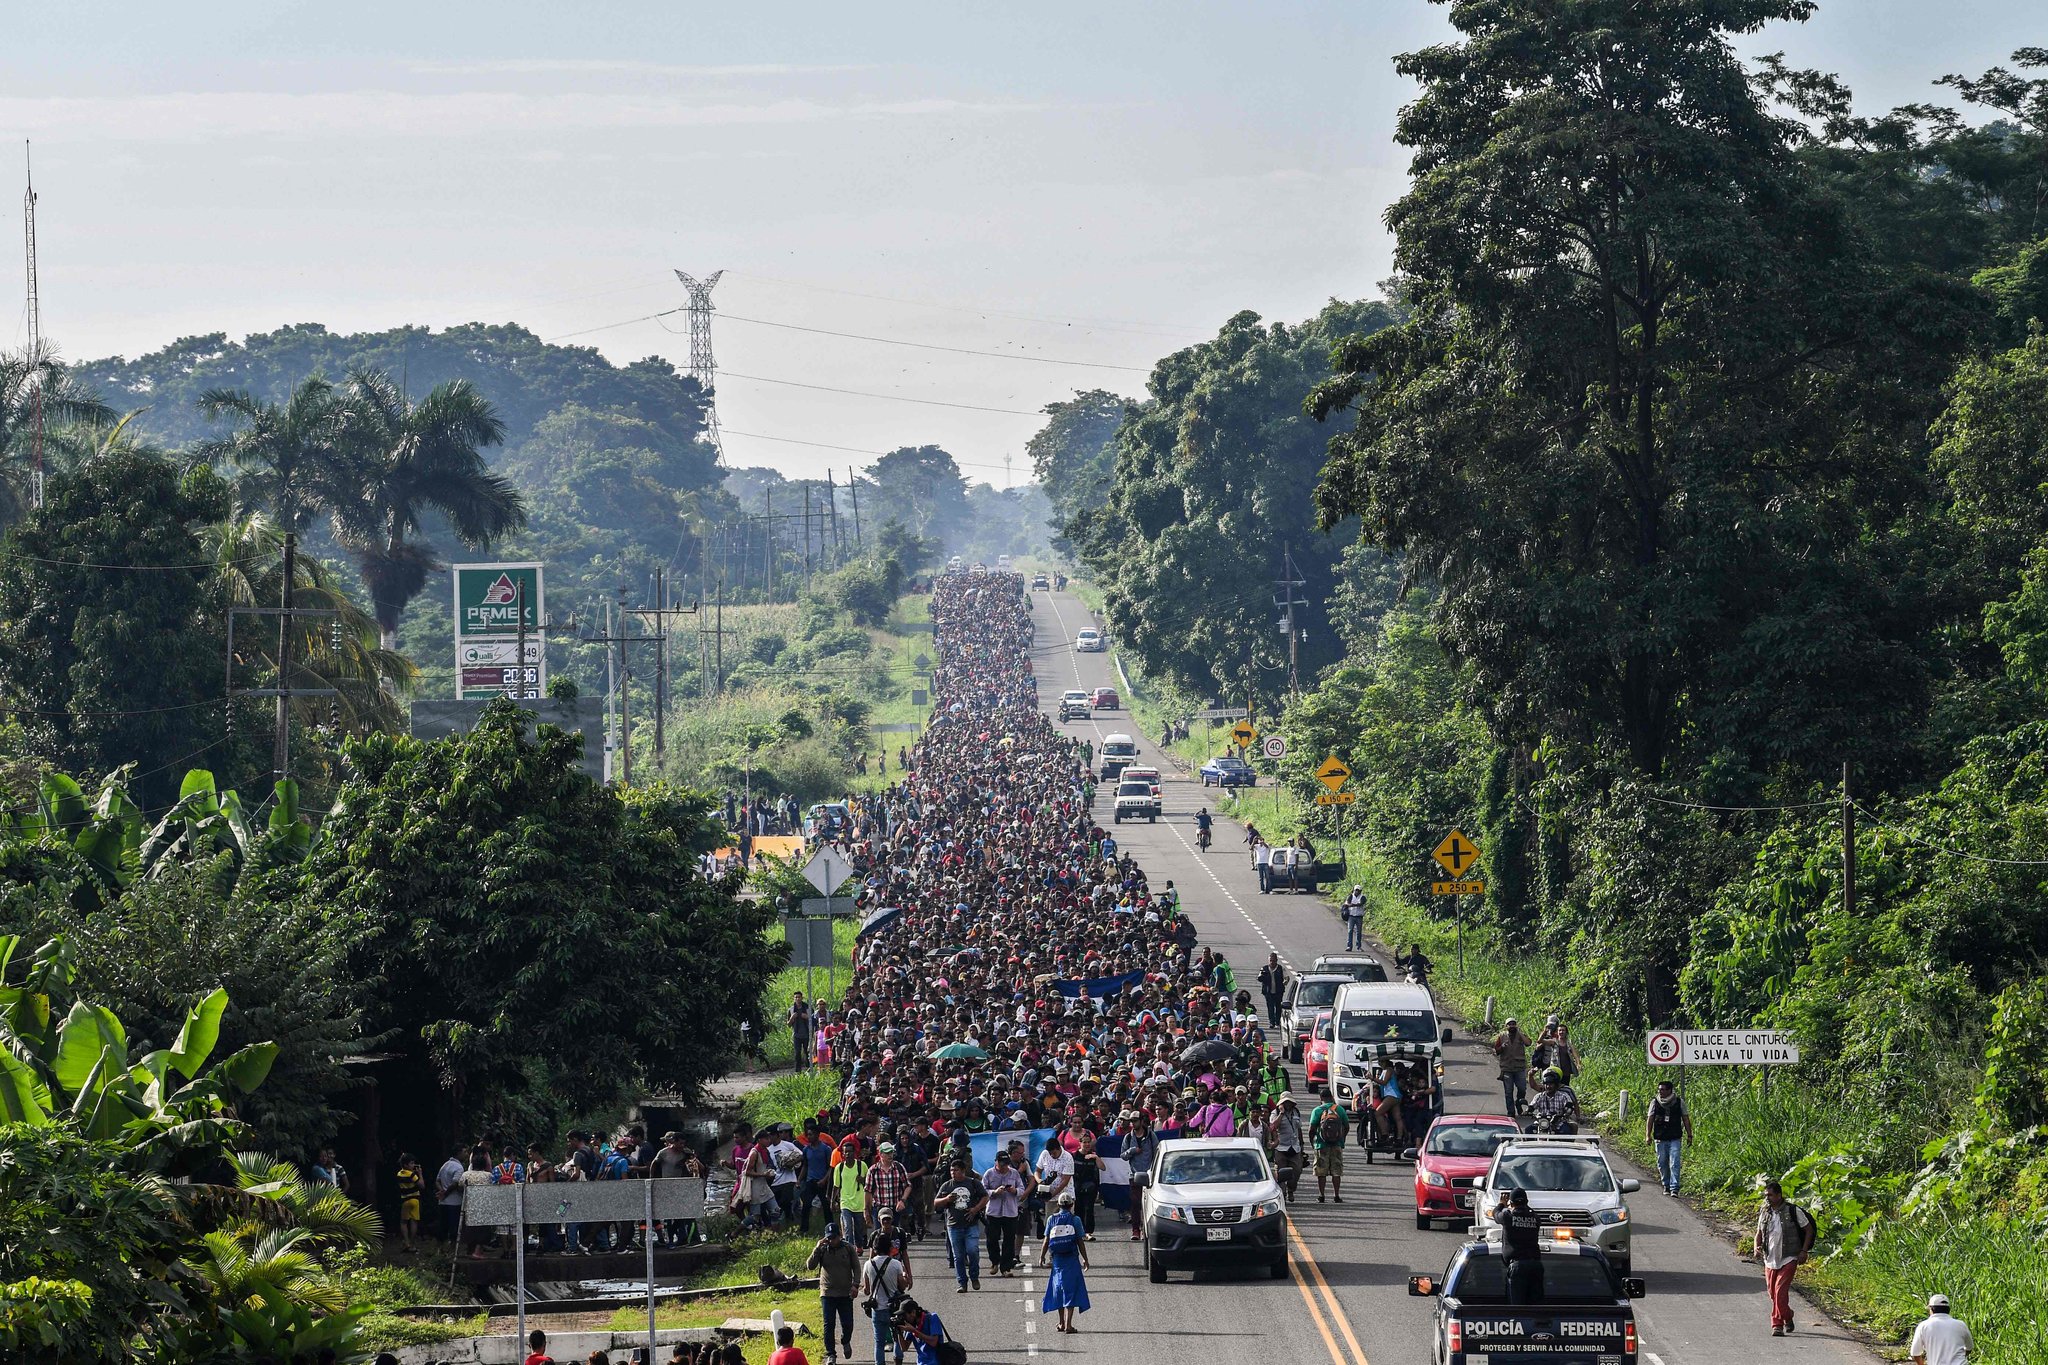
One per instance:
(1040,583)
(1299,1003)
(1585,1313)
(1075,705)
(1209,1202)
(1315,1058)
(1106,699)
(1570,1186)
(1227,771)
(1088,640)
(1453,1154)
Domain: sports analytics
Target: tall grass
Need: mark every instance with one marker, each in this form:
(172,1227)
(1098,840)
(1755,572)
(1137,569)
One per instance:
(782,989)
(1995,1275)
(793,1098)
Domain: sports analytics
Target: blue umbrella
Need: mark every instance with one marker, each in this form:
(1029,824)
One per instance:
(878,919)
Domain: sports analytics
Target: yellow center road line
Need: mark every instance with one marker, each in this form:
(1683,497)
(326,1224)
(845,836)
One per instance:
(1306,1257)
(1315,1313)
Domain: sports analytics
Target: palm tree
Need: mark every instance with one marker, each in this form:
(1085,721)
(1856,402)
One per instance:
(292,462)
(414,459)
(65,407)
(343,652)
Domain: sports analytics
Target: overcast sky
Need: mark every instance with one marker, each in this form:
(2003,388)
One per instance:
(1078,182)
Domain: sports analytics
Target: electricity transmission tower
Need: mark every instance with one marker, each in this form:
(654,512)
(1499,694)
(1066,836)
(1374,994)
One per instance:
(703,368)
(35,337)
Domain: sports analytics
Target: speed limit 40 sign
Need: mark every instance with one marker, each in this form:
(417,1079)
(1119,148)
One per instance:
(1273,747)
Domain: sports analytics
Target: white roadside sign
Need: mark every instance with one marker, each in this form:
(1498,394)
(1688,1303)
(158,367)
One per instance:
(1720,1047)
(828,870)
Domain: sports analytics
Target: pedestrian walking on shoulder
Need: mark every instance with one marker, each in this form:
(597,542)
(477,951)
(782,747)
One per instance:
(1511,1047)
(1784,1237)
(1940,1339)
(838,1267)
(1667,1126)
(1354,918)
(1066,1251)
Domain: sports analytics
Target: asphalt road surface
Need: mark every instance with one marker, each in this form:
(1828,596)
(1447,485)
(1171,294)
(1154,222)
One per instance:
(1347,1301)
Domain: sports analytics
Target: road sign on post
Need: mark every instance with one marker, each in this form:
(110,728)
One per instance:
(1456,853)
(1243,733)
(1333,773)
(1274,747)
(827,870)
(500,631)
(1720,1047)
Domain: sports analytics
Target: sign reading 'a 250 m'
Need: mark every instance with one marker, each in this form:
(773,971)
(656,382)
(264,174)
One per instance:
(490,599)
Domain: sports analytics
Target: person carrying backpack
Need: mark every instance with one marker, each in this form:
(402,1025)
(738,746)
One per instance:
(1328,1127)
(1784,1237)
(883,1280)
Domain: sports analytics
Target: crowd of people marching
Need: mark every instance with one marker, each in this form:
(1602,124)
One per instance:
(1012,1045)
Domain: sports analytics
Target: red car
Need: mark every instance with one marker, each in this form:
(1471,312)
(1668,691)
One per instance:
(1105,699)
(1457,1149)
(1317,1053)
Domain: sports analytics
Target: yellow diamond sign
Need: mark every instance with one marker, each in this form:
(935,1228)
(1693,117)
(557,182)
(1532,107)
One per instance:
(1332,773)
(1456,854)
(1243,733)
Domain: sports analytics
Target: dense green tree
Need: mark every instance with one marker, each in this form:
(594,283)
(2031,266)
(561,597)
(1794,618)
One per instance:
(111,635)
(413,460)
(921,487)
(1073,456)
(1213,482)
(537,946)
(1654,429)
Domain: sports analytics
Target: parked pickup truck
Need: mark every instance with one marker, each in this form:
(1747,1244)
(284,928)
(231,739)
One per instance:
(1296,869)
(1581,1310)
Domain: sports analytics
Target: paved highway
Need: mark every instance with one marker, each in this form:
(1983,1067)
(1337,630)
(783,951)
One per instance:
(1347,1302)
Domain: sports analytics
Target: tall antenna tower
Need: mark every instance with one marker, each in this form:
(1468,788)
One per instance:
(703,368)
(36,373)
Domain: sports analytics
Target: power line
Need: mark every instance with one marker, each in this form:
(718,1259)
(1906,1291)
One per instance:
(1911,837)
(1696,805)
(856,336)
(892,397)
(851,450)
(166,568)
(8,709)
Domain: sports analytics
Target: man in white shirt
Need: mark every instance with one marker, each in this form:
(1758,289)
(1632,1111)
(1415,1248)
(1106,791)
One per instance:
(1055,1175)
(448,1194)
(1940,1339)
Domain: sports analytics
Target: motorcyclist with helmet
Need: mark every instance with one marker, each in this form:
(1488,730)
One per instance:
(1555,1109)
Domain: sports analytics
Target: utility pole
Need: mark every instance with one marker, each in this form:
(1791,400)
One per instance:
(660,665)
(718,668)
(1848,845)
(807,534)
(625,701)
(1287,583)
(832,504)
(853,487)
(37,374)
(703,368)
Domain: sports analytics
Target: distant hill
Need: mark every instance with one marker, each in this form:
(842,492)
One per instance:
(525,377)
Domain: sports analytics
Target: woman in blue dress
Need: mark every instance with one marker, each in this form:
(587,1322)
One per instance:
(1066,1250)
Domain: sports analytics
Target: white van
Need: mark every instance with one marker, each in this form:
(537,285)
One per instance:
(1118,753)
(1377,1020)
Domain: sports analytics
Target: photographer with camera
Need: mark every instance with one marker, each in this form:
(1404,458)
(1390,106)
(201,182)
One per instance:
(882,1282)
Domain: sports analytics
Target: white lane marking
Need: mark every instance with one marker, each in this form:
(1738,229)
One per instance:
(1030,1329)
(1201,860)
(1653,1358)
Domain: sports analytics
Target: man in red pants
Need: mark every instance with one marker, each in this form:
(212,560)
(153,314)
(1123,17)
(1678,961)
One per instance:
(1784,1236)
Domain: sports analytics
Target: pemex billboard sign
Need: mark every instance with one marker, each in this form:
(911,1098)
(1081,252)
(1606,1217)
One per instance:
(494,603)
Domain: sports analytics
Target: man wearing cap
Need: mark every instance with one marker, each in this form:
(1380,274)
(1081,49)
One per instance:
(888,1184)
(964,1200)
(1284,1134)
(1521,1230)
(1668,1125)
(1005,1186)
(1940,1339)
(838,1266)
(850,1192)
(1784,1236)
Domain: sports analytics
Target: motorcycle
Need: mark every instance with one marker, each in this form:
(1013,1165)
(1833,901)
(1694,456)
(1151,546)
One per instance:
(1202,838)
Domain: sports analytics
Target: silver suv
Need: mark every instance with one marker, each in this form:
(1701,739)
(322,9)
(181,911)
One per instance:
(1570,1185)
